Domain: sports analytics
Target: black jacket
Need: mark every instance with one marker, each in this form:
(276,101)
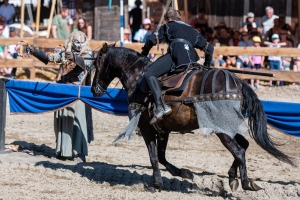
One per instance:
(182,52)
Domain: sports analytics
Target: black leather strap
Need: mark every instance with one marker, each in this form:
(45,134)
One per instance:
(182,41)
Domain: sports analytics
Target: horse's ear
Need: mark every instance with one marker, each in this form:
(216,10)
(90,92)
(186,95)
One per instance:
(104,47)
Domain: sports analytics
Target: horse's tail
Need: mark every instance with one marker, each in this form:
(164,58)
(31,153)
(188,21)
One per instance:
(257,122)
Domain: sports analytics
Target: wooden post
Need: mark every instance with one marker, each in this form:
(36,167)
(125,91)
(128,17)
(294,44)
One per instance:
(3,94)
(37,24)
(22,23)
(298,21)
(144,3)
(175,4)
(50,18)
(186,14)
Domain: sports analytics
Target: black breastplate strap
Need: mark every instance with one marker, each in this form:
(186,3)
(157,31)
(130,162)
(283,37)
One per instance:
(182,41)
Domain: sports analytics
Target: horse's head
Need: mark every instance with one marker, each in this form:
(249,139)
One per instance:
(103,75)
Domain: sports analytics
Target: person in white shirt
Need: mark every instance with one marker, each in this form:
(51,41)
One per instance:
(142,34)
(275,61)
(268,21)
(8,11)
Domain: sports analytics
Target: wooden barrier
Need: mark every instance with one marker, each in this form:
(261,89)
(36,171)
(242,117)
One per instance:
(44,43)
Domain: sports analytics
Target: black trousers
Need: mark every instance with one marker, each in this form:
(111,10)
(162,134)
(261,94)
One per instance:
(160,67)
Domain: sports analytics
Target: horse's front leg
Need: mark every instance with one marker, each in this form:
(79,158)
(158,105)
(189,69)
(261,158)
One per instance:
(162,143)
(149,138)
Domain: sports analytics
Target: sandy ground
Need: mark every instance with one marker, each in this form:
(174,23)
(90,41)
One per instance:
(119,172)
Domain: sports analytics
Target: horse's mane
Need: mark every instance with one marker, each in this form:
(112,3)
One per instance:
(118,55)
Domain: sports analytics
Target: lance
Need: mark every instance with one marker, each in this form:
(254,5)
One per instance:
(251,73)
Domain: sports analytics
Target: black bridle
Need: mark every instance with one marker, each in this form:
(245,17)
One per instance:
(101,91)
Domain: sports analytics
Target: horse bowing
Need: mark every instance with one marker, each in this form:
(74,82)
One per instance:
(214,100)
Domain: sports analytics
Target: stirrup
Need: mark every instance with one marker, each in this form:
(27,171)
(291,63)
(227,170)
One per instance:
(167,109)
(157,117)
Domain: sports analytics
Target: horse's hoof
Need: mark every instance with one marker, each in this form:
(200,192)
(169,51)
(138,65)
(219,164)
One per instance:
(151,189)
(254,186)
(185,173)
(234,184)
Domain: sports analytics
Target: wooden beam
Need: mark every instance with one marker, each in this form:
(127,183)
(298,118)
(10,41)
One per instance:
(280,75)
(3,96)
(94,44)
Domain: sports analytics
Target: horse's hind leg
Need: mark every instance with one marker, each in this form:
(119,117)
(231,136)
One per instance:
(238,153)
(162,143)
(233,182)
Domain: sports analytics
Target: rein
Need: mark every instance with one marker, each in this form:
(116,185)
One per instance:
(98,88)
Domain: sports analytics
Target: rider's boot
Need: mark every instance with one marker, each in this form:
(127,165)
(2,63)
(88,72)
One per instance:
(161,107)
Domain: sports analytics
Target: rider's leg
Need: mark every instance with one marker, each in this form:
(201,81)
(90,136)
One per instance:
(160,67)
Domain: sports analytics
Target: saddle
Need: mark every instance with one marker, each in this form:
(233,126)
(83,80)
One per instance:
(176,80)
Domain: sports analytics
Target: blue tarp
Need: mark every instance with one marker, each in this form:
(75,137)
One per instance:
(28,97)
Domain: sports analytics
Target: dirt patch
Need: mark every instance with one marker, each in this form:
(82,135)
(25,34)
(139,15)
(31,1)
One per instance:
(120,172)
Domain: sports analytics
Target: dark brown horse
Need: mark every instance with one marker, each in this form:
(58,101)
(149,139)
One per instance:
(207,86)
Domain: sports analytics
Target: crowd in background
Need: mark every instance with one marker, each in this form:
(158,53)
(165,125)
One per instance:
(60,27)
(273,32)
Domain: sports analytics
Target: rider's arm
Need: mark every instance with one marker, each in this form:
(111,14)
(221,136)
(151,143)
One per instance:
(42,56)
(207,48)
(152,40)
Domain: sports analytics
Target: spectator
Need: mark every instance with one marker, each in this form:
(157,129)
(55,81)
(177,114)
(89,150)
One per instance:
(201,21)
(5,32)
(8,11)
(12,50)
(231,61)
(245,42)
(135,18)
(268,21)
(297,61)
(218,29)
(274,61)
(127,39)
(221,62)
(257,61)
(72,125)
(3,54)
(250,23)
(284,26)
(275,29)
(224,37)
(236,38)
(284,38)
(84,27)
(59,24)
(143,33)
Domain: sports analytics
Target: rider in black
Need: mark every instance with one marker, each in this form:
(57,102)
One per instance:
(182,39)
